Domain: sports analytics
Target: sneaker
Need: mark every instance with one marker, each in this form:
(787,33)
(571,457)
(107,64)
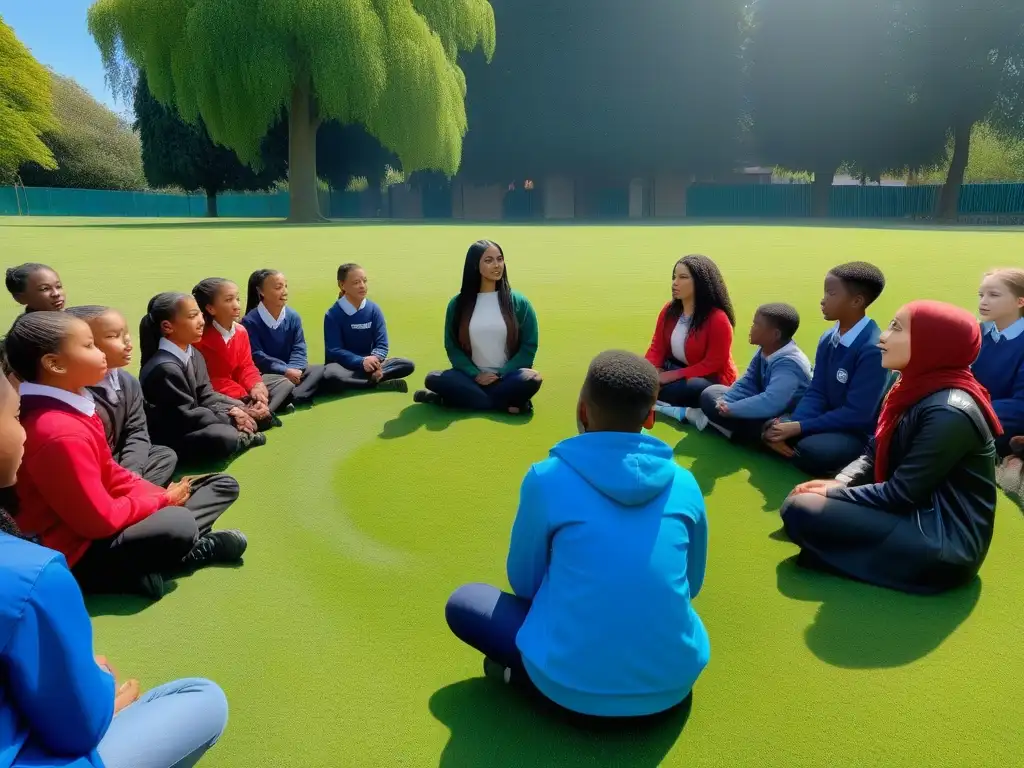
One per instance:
(254,440)
(697,417)
(394,385)
(288,409)
(152,586)
(426,396)
(496,671)
(275,421)
(217,547)
(672,411)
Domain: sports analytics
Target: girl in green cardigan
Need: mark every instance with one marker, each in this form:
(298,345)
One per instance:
(490,334)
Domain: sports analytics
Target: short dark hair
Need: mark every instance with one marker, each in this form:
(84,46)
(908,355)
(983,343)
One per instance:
(16,278)
(783,317)
(861,279)
(33,336)
(620,390)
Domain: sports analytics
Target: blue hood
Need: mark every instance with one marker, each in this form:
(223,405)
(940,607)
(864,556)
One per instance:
(630,469)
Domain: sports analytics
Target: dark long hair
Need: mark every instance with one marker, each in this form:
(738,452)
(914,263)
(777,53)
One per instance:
(709,291)
(33,336)
(206,292)
(465,303)
(256,281)
(163,306)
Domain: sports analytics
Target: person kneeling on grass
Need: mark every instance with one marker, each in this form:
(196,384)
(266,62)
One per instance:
(608,550)
(117,531)
(119,401)
(916,512)
(491,337)
(59,704)
(774,381)
(356,339)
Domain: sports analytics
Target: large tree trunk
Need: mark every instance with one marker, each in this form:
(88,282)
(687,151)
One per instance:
(821,191)
(949,200)
(211,204)
(304,205)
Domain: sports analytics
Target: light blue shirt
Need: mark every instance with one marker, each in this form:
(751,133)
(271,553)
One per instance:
(1009,333)
(847,339)
(348,307)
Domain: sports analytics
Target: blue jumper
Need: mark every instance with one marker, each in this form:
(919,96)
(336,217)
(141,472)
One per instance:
(350,338)
(847,385)
(610,545)
(771,385)
(1000,369)
(275,350)
(55,702)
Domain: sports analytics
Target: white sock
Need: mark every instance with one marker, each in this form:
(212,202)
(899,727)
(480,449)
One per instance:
(696,417)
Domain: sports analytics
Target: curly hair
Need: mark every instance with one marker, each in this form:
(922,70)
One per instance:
(709,291)
(620,390)
(861,279)
(783,317)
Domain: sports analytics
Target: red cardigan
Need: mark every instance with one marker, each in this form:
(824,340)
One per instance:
(232,371)
(708,349)
(70,490)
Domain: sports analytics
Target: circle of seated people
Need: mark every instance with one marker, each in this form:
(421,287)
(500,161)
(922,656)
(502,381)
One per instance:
(899,429)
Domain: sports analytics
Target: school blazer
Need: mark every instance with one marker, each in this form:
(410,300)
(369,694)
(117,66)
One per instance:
(180,398)
(125,423)
(708,349)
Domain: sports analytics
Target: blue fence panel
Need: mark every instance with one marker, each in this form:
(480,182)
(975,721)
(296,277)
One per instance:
(749,200)
(991,198)
(856,202)
(345,205)
(268,206)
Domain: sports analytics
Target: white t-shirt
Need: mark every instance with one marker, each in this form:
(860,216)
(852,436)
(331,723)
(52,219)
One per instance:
(488,333)
(679,334)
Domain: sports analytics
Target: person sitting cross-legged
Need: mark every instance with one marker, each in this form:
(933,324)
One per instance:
(607,553)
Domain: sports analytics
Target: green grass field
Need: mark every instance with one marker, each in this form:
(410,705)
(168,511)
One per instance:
(364,513)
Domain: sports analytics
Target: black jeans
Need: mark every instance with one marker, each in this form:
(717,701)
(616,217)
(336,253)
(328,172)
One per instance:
(157,544)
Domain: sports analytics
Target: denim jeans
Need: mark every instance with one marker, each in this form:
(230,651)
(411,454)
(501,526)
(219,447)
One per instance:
(459,390)
(168,727)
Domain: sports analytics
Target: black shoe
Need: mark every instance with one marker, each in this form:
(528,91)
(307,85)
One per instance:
(426,396)
(152,586)
(496,671)
(274,421)
(288,409)
(217,547)
(394,385)
(254,440)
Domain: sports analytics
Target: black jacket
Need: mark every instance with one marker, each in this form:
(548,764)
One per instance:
(125,422)
(941,474)
(179,398)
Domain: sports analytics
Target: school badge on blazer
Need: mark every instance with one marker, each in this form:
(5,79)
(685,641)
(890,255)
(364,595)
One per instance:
(842,376)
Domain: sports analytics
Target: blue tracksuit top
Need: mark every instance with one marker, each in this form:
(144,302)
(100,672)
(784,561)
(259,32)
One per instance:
(275,350)
(1000,369)
(610,544)
(771,385)
(847,385)
(55,702)
(350,338)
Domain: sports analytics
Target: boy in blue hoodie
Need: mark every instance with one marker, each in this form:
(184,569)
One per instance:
(776,378)
(835,418)
(608,550)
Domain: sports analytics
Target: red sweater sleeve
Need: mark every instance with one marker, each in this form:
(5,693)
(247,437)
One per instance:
(246,372)
(719,353)
(657,353)
(69,477)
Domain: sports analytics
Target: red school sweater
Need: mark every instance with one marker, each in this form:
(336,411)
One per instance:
(70,490)
(232,371)
(708,349)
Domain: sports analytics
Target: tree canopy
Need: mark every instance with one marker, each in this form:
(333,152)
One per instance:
(94,148)
(176,153)
(388,65)
(26,106)
(606,89)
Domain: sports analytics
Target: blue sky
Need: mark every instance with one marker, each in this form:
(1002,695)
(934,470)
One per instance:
(56,32)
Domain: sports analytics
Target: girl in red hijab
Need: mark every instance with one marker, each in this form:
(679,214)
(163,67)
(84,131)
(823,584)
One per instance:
(916,511)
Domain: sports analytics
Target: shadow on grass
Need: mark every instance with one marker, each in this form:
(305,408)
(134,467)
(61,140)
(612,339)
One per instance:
(859,626)
(494,727)
(436,419)
(122,605)
(714,457)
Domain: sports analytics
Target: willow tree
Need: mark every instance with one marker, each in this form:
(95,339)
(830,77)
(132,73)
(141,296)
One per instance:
(26,106)
(388,65)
